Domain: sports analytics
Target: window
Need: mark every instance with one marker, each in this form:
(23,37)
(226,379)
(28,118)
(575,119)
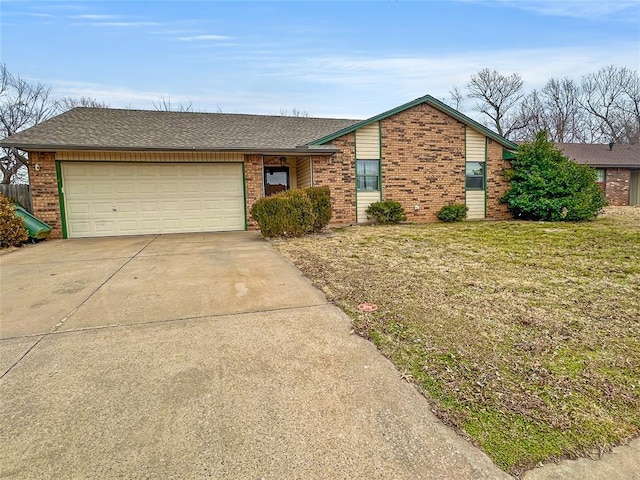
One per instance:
(475,176)
(276,179)
(601,177)
(367,175)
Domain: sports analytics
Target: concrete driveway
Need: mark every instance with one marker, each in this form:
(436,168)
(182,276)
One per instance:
(199,356)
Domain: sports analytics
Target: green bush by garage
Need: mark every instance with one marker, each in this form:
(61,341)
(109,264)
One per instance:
(293,213)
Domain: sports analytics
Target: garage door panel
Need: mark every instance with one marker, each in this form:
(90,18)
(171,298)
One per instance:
(102,226)
(150,207)
(126,199)
(101,170)
(79,208)
(102,208)
(170,206)
(125,207)
(146,188)
(124,188)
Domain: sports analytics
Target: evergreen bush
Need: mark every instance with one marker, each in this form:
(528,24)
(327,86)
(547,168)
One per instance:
(386,211)
(456,212)
(286,214)
(320,198)
(545,185)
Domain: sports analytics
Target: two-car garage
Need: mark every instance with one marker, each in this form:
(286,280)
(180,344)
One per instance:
(121,198)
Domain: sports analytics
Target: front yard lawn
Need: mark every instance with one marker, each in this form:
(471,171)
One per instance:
(525,336)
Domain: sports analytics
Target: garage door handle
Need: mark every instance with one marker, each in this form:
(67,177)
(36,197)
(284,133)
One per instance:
(114,209)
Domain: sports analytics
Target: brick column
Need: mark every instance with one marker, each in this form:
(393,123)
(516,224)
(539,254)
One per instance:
(253,178)
(616,189)
(497,183)
(338,173)
(43,182)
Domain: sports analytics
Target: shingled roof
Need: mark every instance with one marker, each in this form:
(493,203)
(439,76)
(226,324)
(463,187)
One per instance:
(85,128)
(599,155)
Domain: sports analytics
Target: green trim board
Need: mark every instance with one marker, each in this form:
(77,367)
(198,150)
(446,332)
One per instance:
(486,173)
(507,154)
(429,100)
(464,170)
(244,194)
(63,215)
(380,157)
(355,171)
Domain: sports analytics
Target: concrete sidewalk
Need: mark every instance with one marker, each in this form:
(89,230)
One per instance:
(199,356)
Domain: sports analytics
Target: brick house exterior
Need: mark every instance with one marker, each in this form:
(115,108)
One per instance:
(617,167)
(91,184)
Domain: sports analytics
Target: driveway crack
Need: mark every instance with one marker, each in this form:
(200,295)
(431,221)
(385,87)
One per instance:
(75,309)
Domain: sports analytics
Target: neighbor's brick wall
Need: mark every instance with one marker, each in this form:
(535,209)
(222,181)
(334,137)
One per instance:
(338,173)
(616,190)
(253,184)
(44,190)
(423,161)
(497,184)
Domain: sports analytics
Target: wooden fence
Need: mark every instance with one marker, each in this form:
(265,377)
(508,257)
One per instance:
(19,193)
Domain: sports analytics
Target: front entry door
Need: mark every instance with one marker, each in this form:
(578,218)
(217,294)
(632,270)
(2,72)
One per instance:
(276,179)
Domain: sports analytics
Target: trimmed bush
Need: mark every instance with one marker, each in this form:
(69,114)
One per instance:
(387,211)
(456,212)
(546,185)
(12,231)
(320,198)
(286,214)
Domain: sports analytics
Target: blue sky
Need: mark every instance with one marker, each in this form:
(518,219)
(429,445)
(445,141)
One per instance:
(350,59)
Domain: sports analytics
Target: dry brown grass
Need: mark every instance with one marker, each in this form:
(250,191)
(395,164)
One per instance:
(524,335)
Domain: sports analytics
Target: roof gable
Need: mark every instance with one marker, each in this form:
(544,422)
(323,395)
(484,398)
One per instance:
(429,100)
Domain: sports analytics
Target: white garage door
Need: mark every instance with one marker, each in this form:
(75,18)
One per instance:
(105,199)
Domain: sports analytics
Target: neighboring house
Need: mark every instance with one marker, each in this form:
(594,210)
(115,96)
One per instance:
(617,168)
(101,172)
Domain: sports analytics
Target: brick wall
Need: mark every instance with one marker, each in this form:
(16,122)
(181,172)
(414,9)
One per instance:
(616,189)
(423,161)
(44,190)
(497,184)
(338,173)
(423,164)
(253,184)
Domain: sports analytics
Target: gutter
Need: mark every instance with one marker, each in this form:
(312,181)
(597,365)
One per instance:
(301,150)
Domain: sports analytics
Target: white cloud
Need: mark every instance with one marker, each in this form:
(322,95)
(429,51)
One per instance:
(200,38)
(125,24)
(93,17)
(594,9)
(350,86)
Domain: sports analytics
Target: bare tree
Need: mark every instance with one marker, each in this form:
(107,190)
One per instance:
(165,105)
(612,97)
(533,116)
(456,97)
(294,113)
(498,98)
(67,103)
(555,108)
(22,105)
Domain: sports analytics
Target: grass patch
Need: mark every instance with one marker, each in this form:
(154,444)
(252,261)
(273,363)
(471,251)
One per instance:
(524,335)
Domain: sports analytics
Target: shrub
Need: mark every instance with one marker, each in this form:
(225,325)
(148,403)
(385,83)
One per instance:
(286,214)
(12,231)
(456,212)
(320,198)
(545,185)
(387,211)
